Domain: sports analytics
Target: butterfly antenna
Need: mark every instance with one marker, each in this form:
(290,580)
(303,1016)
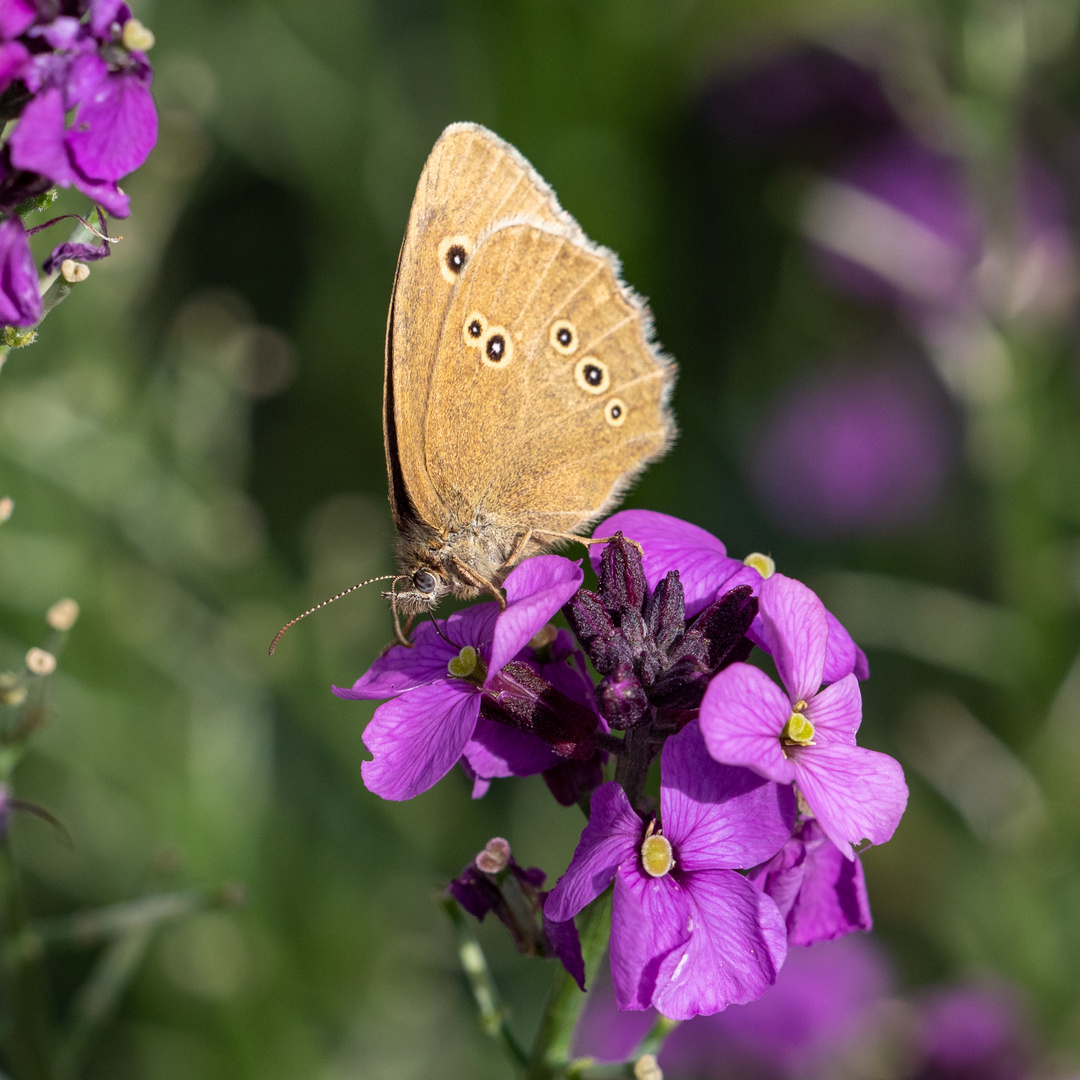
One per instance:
(281,633)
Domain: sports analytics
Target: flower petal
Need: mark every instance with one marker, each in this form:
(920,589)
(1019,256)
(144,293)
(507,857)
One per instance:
(794,625)
(741,717)
(535,591)
(20,300)
(400,669)
(842,655)
(563,939)
(611,837)
(37,143)
(16,16)
(836,711)
(418,737)
(736,949)
(13,55)
(832,901)
(115,128)
(669,543)
(649,918)
(855,793)
(500,750)
(719,816)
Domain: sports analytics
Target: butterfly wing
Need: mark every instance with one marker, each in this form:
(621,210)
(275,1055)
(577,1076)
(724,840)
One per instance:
(471,179)
(541,420)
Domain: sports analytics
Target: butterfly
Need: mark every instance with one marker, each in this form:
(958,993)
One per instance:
(524,390)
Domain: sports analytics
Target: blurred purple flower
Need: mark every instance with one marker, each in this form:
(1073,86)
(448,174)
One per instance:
(823,1005)
(436,687)
(972,1033)
(20,301)
(689,934)
(806,98)
(852,452)
(821,895)
(804,734)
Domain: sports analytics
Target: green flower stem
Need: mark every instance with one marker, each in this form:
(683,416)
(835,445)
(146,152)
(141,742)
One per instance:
(493,1013)
(551,1050)
(98,997)
(23,980)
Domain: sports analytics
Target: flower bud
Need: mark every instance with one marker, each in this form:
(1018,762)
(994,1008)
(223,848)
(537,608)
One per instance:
(135,37)
(63,614)
(494,857)
(12,688)
(623,587)
(647,1068)
(40,662)
(72,271)
(665,611)
(621,699)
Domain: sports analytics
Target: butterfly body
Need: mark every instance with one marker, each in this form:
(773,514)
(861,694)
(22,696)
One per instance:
(523,389)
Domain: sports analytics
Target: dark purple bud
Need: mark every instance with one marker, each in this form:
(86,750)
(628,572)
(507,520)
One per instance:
(587,618)
(623,587)
(665,611)
(493,881)
(621,699)
(683,685)
(569,780)
(721,626)
(82,252)
(532,704)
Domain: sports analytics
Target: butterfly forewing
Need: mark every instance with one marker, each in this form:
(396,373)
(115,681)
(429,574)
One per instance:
(471,180)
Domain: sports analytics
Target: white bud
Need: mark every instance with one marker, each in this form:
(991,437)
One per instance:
(646,1068)
(135,36)
(72,271)
(62,615)
(40,662)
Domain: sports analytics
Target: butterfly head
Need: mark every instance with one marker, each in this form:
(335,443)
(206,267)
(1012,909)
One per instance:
(419,591)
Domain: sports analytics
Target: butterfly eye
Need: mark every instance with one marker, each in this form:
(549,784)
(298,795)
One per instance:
(592,375)
(615,412)
(454,253)
(563,337)
(424,581)
(474,329)
(496,348)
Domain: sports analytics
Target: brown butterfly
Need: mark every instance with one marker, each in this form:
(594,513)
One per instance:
(523,391)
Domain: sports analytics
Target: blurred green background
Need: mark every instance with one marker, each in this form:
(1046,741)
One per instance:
(194,451)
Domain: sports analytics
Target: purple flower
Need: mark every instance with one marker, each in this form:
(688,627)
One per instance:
(689,935)
(823,1006)
(436,688)
(706,570)
(879,454)
(20,301)
(806,735)
(972,1033)
(821,894)
(16,16)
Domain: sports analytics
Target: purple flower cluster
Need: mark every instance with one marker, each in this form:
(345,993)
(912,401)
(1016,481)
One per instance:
(763,790)
(75,76)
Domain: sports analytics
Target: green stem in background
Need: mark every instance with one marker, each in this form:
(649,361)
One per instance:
(551,1049)
(493,1012)
(98,997)
(22,978)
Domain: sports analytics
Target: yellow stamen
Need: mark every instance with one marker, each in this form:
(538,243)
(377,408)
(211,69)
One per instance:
(135,37)
(656,856)
(464,664)
(798,730)
(764,565)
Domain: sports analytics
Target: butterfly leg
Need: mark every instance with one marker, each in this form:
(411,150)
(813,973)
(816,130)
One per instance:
(470,576)
(588,541)
(519,548)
